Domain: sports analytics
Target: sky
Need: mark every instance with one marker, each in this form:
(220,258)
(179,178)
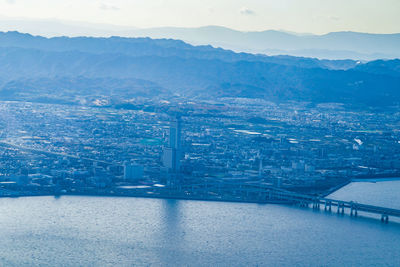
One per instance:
(304,16)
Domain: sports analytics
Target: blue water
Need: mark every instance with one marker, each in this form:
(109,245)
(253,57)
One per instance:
(385,193)
(101,231)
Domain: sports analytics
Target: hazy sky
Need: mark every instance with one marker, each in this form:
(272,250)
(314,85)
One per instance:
(314,16)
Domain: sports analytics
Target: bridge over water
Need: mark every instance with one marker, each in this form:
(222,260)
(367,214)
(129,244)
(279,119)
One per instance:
(328,203)
(266,193)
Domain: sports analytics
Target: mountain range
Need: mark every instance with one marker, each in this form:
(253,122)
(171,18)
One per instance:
(334,45)
(38,66)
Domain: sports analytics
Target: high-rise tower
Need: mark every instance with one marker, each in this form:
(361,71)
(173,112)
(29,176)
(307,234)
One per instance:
(175,133)
(172,153)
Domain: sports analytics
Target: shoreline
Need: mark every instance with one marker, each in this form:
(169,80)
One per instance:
(155,196)
(165,195)
(336,188)
(179,196)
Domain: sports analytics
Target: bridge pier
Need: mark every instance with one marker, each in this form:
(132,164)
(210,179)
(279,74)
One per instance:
(303,204)
(353,210)
(316,204)
(328,206)
(355,213)
(385,218)
(340,208)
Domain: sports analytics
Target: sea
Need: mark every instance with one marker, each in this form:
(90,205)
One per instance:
(119,231)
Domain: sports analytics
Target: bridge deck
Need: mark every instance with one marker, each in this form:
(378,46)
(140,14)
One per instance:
(272,193)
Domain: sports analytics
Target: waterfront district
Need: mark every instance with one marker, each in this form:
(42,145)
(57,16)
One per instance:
(192,148)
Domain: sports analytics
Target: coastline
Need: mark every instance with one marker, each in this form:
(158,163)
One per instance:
(180,196)
(144,195)
(336,188)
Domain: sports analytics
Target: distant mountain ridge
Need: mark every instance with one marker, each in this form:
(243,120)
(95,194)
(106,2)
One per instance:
(156,47)
(147,67)
(334,45)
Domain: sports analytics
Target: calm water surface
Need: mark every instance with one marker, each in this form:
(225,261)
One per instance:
(385,193)
(100,231)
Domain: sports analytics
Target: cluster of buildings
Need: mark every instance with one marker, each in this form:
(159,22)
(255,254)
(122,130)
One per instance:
(297,146)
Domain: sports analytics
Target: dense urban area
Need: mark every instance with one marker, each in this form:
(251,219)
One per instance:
(220,146)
